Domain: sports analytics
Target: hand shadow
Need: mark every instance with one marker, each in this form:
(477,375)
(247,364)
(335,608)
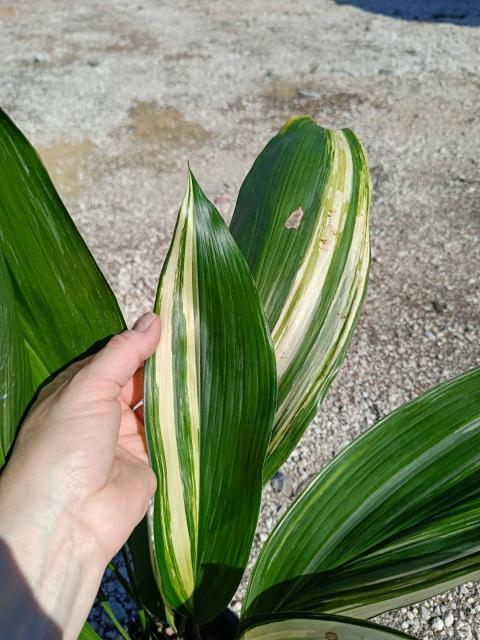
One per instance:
(21,617)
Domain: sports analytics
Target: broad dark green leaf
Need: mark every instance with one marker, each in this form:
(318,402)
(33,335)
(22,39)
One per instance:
(54,301)
(16,386)
(62,299)
(307,626)
(395,518)
(210,393)
(301,221)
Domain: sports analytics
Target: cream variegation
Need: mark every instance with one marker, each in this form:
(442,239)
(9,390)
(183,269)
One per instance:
(199,405)
(302,222)
(393,519)
(180,481)
(305,626)
(315,363)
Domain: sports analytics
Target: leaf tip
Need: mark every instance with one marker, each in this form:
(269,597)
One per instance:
(298,121)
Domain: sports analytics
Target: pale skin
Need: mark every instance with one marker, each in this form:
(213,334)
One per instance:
(78,480)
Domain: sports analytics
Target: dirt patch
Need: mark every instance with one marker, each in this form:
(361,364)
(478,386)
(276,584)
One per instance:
(7,11)
(67,162)
(133,42)
(280,90)
(325,101)
(152,124)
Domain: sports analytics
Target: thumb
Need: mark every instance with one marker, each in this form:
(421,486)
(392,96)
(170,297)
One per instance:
(117,362)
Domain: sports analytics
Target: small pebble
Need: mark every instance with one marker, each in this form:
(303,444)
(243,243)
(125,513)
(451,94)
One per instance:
(425,613)
(436,624)
(448,619)
(278,482)
(439,306)
(118,610)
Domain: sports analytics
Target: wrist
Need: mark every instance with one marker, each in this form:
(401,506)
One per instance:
(55,559)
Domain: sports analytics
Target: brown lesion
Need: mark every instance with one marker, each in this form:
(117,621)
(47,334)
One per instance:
(294,219)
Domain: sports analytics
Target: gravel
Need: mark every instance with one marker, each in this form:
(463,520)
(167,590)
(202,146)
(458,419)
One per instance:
(118,96)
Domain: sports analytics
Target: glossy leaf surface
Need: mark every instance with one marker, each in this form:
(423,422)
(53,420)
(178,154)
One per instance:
(301,221)
(395,518)
(16,386)
(209,401)
(305,626)
(55,303)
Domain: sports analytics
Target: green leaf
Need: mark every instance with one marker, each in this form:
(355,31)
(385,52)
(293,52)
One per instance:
(143,577)
(63,302)
(55,304)
(105,604)
(87,633)
(16,386)
(209,403)
(304,626)
(395,518)
(301,221)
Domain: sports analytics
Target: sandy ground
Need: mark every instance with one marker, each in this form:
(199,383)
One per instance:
(118,95)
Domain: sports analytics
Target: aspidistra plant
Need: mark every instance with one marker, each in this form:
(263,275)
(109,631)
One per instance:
(256,321)
(301,221)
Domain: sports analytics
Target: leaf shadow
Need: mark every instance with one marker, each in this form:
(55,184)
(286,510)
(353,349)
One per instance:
(459,12)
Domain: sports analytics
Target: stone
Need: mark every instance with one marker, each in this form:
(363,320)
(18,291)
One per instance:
(439,306)
(448,619)
(425,613)
(436,624)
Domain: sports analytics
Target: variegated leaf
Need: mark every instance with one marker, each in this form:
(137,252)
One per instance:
(210,395)
(307,626)
(394,519)
(301,221)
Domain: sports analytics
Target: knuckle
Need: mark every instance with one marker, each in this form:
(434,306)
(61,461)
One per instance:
(78,380)
(121,340)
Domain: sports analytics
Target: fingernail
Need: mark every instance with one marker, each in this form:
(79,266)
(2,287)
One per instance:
(144,322)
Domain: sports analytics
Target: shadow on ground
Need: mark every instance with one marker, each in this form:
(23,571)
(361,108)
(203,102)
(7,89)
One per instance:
(462,12)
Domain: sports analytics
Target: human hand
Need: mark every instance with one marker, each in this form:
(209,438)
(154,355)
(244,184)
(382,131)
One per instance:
(78,480)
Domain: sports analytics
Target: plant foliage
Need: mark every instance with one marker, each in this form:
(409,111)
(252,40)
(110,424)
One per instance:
(256,321)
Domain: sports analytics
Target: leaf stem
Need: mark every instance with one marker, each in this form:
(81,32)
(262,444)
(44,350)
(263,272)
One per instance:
(132,592)
(108,610)
(134,586)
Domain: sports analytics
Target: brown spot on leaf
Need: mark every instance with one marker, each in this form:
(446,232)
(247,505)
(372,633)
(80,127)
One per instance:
(331,635)
(294,219)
